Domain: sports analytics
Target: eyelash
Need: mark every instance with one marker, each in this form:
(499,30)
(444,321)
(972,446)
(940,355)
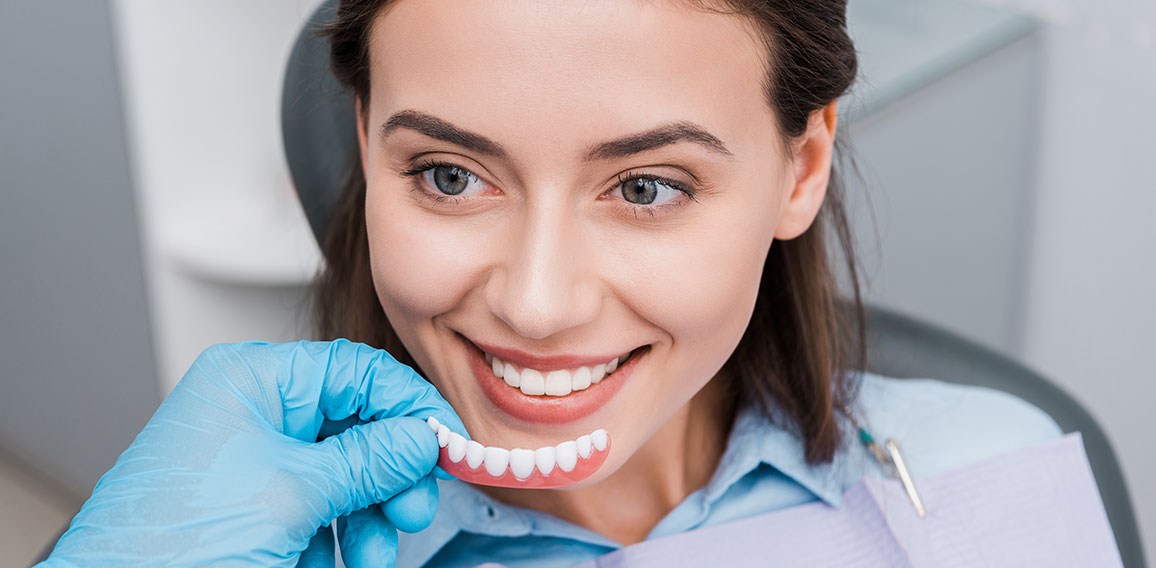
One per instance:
(428,163)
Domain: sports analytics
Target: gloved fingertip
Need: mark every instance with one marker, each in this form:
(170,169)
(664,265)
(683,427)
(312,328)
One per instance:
(384,458)
(367,539)
(442,474)
(413,510)
(320,552)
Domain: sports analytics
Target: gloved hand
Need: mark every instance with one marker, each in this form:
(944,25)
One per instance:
(229,471)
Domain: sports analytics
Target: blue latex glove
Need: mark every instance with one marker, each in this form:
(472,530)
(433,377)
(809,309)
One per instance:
(229,471)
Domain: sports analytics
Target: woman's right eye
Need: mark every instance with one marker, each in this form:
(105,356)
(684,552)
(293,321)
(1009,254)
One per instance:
(447,180)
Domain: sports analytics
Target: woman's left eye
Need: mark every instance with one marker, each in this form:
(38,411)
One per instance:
(643,190)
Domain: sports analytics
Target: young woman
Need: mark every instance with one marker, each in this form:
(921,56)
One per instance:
(599,229)
(545,188)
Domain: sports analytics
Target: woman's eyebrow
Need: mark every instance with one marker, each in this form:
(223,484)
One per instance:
(666,134)
(439,129)
(663,135)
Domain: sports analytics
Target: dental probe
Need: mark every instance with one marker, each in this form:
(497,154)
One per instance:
(892,460)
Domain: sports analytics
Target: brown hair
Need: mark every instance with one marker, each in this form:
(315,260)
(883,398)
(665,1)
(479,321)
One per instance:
(797,358)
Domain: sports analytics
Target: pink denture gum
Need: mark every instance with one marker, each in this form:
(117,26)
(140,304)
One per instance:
(545,468)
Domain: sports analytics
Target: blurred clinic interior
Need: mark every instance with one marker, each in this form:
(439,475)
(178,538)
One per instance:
(146,209)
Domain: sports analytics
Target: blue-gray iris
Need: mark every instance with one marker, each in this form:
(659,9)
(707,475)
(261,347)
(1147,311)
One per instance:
(451,181)
(641,191)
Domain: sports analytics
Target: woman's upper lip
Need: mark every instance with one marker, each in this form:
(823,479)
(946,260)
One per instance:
(545,362)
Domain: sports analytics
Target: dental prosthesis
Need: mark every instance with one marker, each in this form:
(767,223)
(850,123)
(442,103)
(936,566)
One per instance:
(544,468)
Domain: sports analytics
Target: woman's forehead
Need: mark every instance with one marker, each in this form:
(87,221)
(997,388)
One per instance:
(524,68)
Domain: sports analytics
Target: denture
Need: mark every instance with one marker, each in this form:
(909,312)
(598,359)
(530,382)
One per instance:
(544,468)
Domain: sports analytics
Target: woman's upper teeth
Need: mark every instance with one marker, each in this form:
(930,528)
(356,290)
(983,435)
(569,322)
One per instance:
(559,382)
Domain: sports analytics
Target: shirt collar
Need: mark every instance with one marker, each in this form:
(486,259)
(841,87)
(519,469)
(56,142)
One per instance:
(753,440)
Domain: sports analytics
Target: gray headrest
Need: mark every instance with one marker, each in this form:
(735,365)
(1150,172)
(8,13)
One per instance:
(318,122)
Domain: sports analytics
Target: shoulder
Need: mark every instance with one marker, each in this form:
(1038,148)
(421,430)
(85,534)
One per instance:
(940,426)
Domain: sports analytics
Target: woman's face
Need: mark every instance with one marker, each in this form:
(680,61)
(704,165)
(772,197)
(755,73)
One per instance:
(562,184)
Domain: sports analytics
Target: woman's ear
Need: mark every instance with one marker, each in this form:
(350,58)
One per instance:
(362,123)
(812,171)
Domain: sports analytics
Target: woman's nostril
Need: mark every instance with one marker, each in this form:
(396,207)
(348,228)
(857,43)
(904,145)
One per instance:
(537,306)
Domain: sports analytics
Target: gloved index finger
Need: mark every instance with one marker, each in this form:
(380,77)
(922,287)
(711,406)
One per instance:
(338,379)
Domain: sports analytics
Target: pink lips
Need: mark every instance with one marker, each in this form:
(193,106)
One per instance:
(547,409)
(537,480)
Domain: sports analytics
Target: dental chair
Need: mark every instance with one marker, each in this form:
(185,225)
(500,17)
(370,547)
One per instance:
(318,127)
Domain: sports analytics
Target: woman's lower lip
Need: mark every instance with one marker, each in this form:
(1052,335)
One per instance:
(547,409)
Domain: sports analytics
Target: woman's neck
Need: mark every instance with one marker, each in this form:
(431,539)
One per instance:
(679,459)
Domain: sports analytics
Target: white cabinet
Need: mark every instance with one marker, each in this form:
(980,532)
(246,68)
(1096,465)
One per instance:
(228,252)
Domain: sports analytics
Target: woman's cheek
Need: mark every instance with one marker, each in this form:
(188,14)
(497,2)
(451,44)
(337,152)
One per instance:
(422,266)
(702,287)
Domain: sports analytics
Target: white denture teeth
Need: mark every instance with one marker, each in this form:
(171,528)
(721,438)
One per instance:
(496,461)
(456,447)
(545,459)
(521,462)
(475,454)
(584,446)
(598,438)
(566,455)
(558,382)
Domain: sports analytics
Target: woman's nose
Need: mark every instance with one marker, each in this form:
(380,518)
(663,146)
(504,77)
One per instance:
(546,282)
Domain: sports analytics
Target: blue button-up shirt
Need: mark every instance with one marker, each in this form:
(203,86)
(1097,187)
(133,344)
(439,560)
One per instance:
(939,426)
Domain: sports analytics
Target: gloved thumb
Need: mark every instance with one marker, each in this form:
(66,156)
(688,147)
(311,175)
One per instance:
(372,462)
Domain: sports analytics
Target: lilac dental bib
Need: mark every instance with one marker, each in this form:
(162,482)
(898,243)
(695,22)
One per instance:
(1037,506)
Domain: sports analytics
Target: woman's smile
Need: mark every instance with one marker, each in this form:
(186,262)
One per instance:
(552,389)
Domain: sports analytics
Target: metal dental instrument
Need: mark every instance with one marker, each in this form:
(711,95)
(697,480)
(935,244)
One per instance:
(892,460)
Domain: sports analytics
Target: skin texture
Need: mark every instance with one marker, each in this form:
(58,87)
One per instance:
(543,254)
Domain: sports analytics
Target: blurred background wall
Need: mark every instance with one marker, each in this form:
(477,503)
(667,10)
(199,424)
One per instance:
(147,212)
(77,365)
(1090,307)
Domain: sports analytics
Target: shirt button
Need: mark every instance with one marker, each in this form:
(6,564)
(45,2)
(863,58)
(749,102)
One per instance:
(487,508)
